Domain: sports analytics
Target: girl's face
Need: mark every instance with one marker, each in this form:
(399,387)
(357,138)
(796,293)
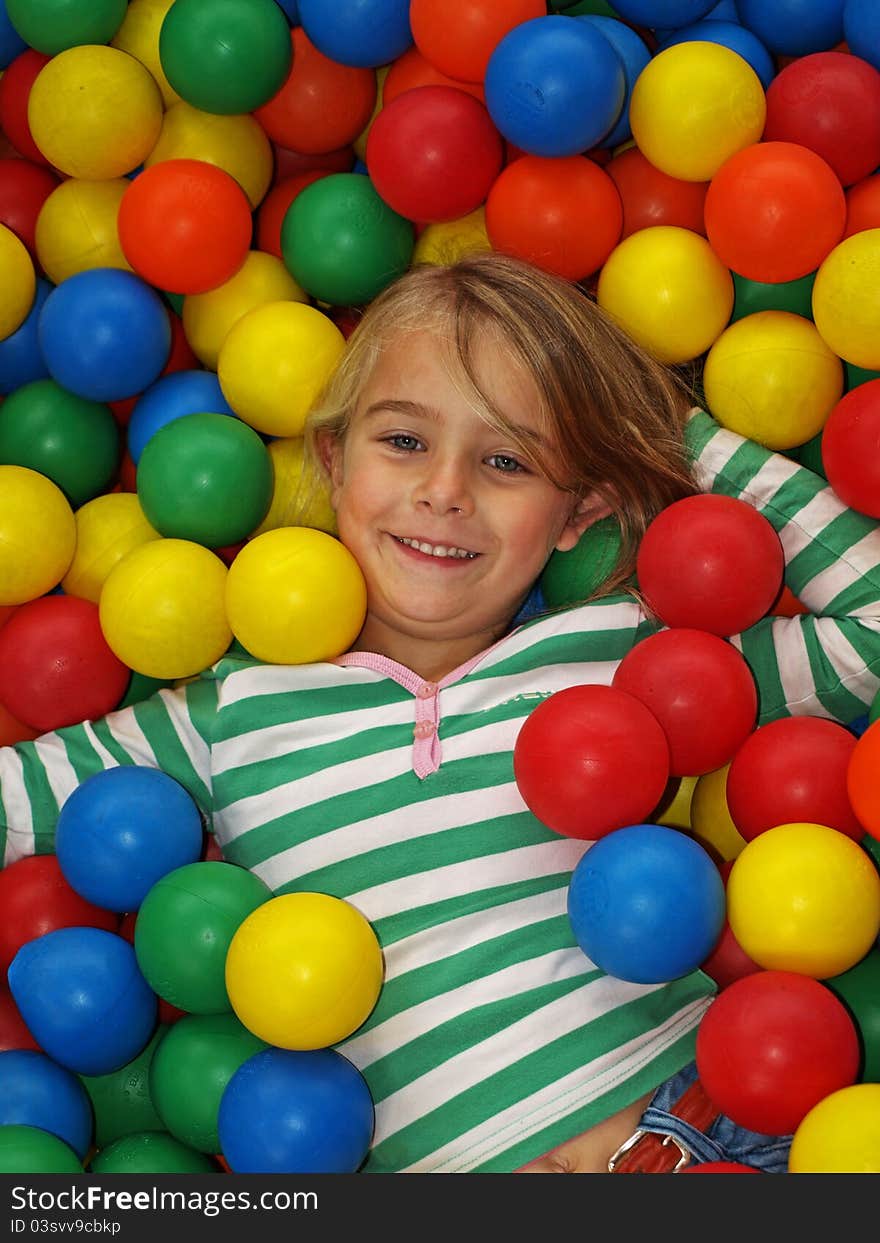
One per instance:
(448,521)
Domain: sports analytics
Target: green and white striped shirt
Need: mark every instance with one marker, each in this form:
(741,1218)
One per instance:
(494,1038)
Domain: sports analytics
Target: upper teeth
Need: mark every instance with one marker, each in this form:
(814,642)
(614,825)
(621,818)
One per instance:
(435,550)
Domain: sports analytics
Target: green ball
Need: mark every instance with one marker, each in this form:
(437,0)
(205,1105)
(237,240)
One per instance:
(28,1150)
(190,1071)
(141,687)
(184,927)
(206,478)
(71,440)
(871,847)
(752,296)
(225,56)
(151,1152)
(51,26)
(853,376)
(121,1099)
(859,990)
(342,243)
(570,577)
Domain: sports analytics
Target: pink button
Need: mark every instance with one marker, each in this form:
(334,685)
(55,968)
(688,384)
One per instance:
(424,729)
(427,690)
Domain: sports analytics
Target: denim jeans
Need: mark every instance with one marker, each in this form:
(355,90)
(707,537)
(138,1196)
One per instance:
(724,1140)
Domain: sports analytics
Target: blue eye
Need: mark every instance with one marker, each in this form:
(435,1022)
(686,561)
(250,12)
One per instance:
(403,442)
(505,464)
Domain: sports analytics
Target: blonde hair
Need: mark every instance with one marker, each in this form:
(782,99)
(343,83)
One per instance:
(612,414)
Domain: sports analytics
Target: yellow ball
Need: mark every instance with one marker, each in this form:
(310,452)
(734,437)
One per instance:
(236,143)
(208,317)
(304,970)
(693,106)
(711,822)
(846,299)
(37,535)
(77,228)
(840,1135)
(139,36)
(294,596)
(772,378)
(162,609)
(298,499)
(360,143)
(669,290)
(107,528)
(273,363)
(450,240)
(18,282)
(675,807)
(95,112)
(804,898)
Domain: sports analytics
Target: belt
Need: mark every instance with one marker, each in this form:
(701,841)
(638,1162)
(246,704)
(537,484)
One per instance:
(647,1152)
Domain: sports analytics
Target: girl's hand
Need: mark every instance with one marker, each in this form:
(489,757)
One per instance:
(589,1152)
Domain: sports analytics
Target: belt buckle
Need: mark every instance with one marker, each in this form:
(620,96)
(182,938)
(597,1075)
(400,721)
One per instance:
(637,1136)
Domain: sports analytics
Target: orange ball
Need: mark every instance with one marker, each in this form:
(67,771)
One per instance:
(651,197)
(459,36)
(863,780)
(411,70)
(863,206)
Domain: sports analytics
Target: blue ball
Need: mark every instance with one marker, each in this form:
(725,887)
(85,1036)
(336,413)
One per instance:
(170,398)
(634,56)
(861,29)
(121,831)
(291,11)
(646,904)
(555,86)
(794,27)
(662,13)
(292,1112)
(731,35)
(35,1091)
(11,42)
(104,334)
(21,359)
(81,993)
(364,33)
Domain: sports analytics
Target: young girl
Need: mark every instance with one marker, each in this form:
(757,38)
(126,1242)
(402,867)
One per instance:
(483,415)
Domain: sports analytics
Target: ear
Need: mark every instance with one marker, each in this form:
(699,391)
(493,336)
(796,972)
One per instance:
(330,453)
(587,510)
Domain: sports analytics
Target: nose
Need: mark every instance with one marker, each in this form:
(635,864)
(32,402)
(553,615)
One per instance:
(445,487)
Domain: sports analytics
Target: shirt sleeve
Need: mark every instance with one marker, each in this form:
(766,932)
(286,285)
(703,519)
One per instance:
(170,731)
(825,663)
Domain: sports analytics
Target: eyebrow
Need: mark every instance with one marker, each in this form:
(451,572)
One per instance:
(417,409)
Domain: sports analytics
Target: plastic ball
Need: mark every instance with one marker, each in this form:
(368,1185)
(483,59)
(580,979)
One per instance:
(15,89)
(590,759)
(861,30)
(139,36)
(789,771)
(366,33)
(701,691)
(862,785)
(94,112)
(172,397)
(448,241)
(803,897)
(728,961)
(859,990)
(21,360)
(693,106)
(753,296)
(273,363)
(771,1046)
(297,499)
(711,822)
(663,13)
(104,334)
(850,443)
(56,667)
(80,992)
(36,1091)
(459,39)
(71,440)
(13,1029)
(792,28)
(150,1152)
(651,197)
(634,57)
(11,42)
(37,535)
(31,1150)
(296,1112)
(121,1100)
(77,228)
(226,56)
(840,1134)
(342,242)
(729,34)
(53,25)
(846,300)
(862,206)
(668,289)
(24,188)
(190,1071)
(413,69)
(554,87)
(162,609)
(563,215)
(107,528)
(646,904)
(18,282)
(184,927)
(274,207)
(304,970)
(772,378)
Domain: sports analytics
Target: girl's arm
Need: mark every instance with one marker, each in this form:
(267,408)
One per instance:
(170,731)
(826,663)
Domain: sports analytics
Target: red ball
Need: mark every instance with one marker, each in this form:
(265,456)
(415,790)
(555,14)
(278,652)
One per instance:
(15,88)
(24,188)
(863,206)
(710,562)
(36,899)
(773,211)
(289,163)
(851,448)
(771,1046)
(793,771)
(56,667)
(829,102)
(459,36)
(590,759)
(273,209)
(185,225)
(433,153)
(562,214)
(411,70)
(14,1032)
(720,1167)
(651,197)
(728,961)
(701,691)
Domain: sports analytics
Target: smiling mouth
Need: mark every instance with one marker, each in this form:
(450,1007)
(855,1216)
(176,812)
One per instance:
(436,550)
